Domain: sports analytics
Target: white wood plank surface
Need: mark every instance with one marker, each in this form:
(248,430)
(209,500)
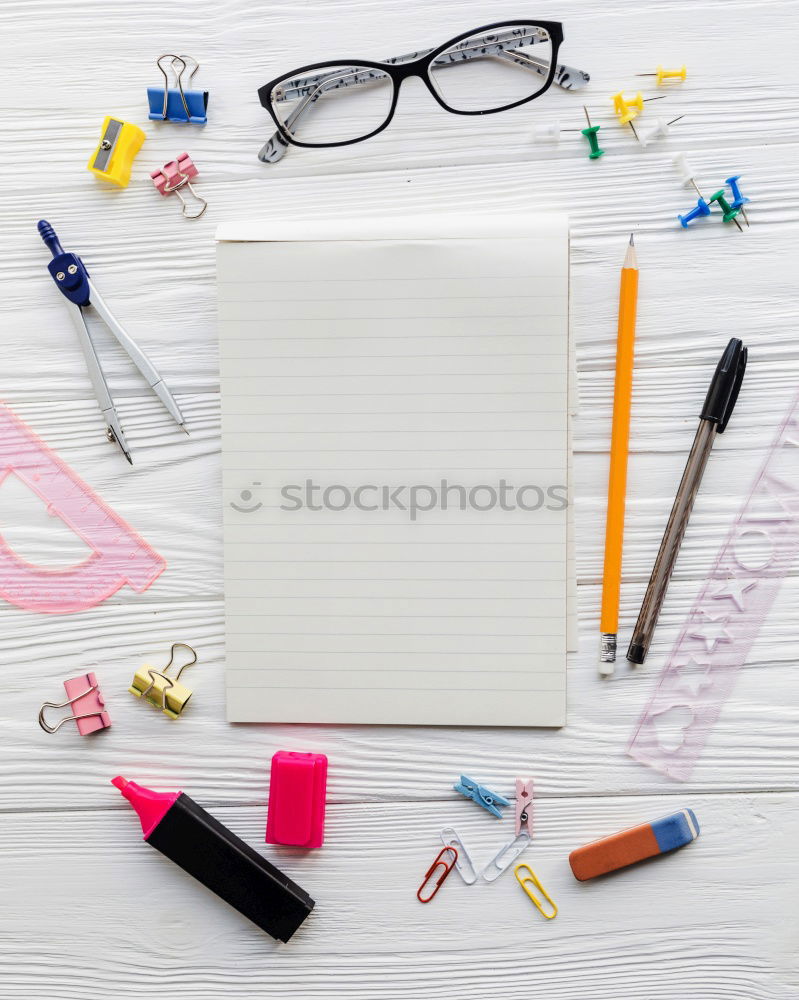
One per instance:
(87,910)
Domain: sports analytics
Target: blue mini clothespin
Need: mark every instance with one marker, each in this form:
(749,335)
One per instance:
(181,106)
(482,796)
(738,200)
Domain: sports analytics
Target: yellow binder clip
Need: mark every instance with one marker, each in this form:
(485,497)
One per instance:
(113,158)
(159,689)
(532,879)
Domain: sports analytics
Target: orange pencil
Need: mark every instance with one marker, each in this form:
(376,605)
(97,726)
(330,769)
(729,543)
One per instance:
(619,448)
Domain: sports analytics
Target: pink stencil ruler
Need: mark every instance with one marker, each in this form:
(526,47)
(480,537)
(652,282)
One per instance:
(119,555)
(759,551)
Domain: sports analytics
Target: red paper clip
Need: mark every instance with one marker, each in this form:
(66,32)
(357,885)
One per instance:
(438,863)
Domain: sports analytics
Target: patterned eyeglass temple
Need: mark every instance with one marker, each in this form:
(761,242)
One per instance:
(308,89)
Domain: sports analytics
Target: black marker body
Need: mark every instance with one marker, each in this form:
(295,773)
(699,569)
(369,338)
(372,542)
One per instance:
(188,835)
(215,856)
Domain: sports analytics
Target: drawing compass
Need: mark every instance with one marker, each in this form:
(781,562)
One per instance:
(72,280)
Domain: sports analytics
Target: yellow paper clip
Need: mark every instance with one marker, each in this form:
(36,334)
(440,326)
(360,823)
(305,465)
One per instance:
(160,690)
(532,879)
(118,146)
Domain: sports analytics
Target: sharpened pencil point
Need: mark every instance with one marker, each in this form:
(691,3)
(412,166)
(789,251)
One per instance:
(630,255)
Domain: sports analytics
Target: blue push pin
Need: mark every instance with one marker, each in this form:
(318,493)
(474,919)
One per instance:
(738,200)
(702,209)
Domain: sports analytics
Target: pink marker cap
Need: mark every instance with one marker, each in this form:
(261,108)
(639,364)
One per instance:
(297,793)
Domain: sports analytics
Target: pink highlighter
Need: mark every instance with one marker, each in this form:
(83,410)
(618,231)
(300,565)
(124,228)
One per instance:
(297,791)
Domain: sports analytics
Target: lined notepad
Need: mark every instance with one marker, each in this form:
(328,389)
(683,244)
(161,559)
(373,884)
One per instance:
(417,363)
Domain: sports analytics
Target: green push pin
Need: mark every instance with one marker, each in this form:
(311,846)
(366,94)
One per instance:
(730,213)
(593,142)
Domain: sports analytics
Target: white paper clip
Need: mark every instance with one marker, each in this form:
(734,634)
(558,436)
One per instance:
(463,863)
(505,857)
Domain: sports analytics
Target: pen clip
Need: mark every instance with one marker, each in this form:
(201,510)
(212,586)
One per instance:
(739,377)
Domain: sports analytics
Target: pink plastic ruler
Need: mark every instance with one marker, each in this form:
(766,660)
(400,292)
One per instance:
(759,551)
(119,555)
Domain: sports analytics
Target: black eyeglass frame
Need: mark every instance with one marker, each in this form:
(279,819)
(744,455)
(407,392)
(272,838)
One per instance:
(417,67)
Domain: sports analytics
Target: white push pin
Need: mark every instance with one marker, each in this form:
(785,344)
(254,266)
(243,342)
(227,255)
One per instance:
(686,172)
(547,133)
(659,130)
(684,169)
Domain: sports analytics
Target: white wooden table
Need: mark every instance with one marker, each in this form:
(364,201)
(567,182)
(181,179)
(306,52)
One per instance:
(90,912)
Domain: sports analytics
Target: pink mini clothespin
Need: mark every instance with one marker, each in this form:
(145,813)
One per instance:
(297,793)
(524,807)
(175,175)
(87,703)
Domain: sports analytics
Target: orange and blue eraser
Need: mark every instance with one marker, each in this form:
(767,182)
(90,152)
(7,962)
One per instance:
(630,846)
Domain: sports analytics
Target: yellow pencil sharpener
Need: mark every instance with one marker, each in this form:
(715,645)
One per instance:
(113,159)
(161,690)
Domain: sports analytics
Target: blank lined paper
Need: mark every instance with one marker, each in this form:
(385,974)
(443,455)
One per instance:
(395,421)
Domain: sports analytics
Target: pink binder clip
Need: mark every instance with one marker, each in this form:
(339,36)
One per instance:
(524,807)
(175,175)
(87,703)
(297,790)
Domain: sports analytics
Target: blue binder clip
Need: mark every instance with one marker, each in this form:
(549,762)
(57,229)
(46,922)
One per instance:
(482,796)
(181,106)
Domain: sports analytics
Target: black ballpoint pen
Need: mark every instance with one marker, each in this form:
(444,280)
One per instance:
(719,403)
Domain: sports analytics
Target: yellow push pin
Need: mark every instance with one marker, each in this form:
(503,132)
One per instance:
(668,74)
(161,690)
(629,110)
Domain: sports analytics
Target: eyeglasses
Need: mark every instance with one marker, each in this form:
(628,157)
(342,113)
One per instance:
(479,72)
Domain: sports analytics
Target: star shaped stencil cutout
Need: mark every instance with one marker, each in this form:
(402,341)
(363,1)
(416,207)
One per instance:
(735,590)
(712,632)
(694,675)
